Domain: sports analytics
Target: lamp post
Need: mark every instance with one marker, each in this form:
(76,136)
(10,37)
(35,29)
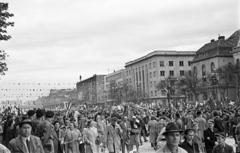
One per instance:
(214,82)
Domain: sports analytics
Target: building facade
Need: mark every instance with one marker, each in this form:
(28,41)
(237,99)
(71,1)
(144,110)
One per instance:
(91,90)
(143,74)
(113,82)
(209,58)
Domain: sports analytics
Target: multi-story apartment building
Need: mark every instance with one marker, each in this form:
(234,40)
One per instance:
(210,57)
(143,74)
(91,90)
(113,81)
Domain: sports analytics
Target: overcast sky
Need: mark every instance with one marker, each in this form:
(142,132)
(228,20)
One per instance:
(58,40)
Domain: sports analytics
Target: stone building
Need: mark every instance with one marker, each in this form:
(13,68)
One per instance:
(91,90)
(112,82)
(144,73)
(210,57)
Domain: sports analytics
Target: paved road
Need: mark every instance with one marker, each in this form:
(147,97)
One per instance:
(146,147)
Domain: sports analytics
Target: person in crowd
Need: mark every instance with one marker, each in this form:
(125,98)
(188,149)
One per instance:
(179,122)
(45,129)
(125,141)
(143,131)
(218,123)
(235,122)
(90,135)
(189,121)
(39,118)
(202,124)
(189,144)
(10,134)
(209,136)
(152,128)
(81,123)
(113,136)
(66,123)
(25,142)
(5,126)
(58,137)
(160,124)
(198,138)
(4,149)
(230,123)
(172,135)
(72,138)
(161,140)
(222,146)
(81,126)
(31,114)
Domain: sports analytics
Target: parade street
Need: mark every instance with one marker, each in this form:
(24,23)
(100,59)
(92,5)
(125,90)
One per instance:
(146,147)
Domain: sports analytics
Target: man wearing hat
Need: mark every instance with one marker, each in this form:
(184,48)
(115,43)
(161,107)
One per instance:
(25,142)
(45,129)
(172,135)
(189,145)
(39,118)
(209,136)
(222,147)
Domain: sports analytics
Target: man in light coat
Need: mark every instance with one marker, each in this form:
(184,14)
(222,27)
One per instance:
(113,136)
(125,126)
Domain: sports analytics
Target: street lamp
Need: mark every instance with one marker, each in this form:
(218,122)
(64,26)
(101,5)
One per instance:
(214,82)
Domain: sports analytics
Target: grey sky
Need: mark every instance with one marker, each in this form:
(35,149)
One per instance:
(58,40)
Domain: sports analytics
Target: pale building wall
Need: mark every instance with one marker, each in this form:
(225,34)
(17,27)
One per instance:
(150,70)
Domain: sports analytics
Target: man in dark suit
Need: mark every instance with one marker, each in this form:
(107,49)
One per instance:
(209,136)
(218,122)
(39,118)
(45,129)
(25,142)
(222,147)
(125,140)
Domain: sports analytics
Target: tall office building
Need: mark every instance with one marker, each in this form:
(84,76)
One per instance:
(144,73)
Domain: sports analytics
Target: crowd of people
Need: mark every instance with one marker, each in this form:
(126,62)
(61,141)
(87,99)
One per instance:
(98,131)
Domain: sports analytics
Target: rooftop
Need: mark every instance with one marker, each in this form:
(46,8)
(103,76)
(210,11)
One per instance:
(217,48)
(162,53)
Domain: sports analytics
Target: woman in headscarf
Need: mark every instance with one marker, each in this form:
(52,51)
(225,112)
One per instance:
(90,134)
(72,138)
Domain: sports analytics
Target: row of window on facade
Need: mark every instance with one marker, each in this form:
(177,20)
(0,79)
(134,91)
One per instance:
(161,64)
(164,93)
(162,73)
